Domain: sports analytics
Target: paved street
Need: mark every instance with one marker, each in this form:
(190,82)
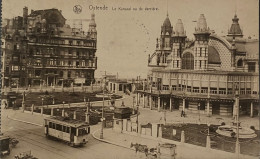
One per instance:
(31,137)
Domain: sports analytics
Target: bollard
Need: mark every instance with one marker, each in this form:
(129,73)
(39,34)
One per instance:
(41,111)
(208,142)
(182,136)
(63,113)
(51,111)
(75,115)
(32,108)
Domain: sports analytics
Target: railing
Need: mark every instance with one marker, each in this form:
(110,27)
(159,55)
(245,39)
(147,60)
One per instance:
(204,93)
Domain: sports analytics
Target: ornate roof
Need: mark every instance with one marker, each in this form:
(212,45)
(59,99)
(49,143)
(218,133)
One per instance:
(201,25)
(235,29)
(92,21)
(179,29)
(167,26)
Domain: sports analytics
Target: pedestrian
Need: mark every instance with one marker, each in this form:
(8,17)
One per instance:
(182,113)
(5,104)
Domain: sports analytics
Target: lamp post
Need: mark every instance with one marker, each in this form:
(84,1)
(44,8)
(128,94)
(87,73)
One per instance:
(199,111)
(237,122)
(137,109)
(133,105)
(102,119)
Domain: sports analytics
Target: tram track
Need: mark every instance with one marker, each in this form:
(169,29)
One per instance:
(41,145)
(47,146)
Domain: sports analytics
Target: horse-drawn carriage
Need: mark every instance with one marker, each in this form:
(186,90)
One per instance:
(149,152)
(165,150)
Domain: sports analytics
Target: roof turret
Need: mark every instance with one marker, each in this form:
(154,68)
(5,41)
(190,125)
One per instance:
(167,26)
(202,25)
(235,30)
(179,29)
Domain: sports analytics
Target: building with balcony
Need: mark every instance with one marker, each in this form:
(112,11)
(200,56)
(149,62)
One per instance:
(44,50)
(202,76)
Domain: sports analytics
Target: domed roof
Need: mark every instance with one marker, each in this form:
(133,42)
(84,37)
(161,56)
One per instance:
(235,29)
(92,21)
(201,24)
(179,29)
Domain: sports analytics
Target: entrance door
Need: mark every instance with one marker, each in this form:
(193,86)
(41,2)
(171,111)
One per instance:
(215,108)
(50,81)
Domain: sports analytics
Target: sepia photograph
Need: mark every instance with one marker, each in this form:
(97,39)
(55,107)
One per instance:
(129,79)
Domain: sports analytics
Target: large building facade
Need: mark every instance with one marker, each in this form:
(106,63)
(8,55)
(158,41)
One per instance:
(41,49)
(205,75)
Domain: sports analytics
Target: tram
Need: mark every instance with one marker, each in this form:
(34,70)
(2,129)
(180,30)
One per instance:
(4,145)
(73,132)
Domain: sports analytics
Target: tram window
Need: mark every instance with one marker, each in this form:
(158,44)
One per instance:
(80,131)
(73,131)
(50,124)
(68,130)
(58,127)
(64,128)
(53,125)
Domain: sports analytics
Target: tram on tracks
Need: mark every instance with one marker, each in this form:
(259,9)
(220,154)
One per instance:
(73,132)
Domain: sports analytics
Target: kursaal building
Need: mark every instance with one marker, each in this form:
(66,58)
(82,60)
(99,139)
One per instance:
(205,75)
(41,49)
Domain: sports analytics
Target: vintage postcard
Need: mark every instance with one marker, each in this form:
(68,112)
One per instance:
(129,79)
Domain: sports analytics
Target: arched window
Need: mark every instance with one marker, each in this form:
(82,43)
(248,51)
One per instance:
(240,63)
(187,61)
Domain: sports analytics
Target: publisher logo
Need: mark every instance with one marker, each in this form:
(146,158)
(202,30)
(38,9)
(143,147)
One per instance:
(77,9)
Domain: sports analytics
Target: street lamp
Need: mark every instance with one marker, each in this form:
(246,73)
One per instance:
(102,119)
(137,109)
(133,105)
(199,111)
(237,121)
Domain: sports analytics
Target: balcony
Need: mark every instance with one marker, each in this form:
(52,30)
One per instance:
(214,94)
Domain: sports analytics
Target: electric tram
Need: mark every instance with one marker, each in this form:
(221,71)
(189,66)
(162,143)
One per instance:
(73,132)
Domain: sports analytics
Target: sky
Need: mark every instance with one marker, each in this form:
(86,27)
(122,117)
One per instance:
(126,37)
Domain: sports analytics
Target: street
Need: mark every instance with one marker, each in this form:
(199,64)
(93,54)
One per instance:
(32,138)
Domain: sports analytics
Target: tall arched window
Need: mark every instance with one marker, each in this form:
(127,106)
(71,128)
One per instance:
(187,61)
(240,63)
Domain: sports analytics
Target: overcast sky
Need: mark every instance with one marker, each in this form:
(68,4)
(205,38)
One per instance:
(125,38)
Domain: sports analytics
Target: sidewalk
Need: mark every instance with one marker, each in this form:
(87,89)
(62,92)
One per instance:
(25,117)
(184,151)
